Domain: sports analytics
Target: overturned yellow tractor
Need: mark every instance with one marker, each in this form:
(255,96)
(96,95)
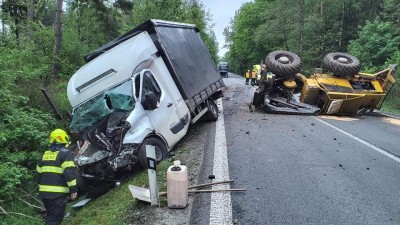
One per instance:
(341,89)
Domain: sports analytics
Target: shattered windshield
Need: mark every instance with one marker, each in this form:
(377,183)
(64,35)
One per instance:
(117,99)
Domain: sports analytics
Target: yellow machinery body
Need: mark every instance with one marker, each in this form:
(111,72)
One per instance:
(347,95)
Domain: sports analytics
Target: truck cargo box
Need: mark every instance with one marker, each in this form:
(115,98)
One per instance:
(185,54)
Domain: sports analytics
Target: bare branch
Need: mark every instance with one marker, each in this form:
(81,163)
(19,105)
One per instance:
(3,211)
(33,206)
(30,195)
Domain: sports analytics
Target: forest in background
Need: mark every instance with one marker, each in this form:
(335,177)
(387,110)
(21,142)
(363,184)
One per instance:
(367,29)
(42,43)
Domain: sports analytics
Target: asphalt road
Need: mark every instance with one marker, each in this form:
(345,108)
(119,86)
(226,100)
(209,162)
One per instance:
(305,169)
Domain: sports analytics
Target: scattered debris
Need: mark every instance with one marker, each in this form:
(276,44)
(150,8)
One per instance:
(143,194)
(81,203)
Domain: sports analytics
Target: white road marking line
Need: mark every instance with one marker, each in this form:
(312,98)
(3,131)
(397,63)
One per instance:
(395,158)
(221,206)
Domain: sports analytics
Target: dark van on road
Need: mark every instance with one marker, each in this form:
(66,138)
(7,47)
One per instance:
(223,69)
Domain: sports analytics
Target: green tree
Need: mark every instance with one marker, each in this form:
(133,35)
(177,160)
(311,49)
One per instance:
(241,36)
(377,43)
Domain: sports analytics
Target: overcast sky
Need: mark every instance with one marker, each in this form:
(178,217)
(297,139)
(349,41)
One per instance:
(222,11)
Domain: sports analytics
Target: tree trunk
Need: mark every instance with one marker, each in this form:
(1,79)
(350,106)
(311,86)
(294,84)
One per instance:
(30,14)
(285,35)
(301,19)
(2,22)
(16,22)
(342,26)
(57,41)
(321,9)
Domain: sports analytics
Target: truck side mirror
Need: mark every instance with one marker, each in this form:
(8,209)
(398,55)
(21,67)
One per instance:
(149,101)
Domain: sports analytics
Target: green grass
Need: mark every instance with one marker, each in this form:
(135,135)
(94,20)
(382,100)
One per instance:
(391,106)
(118,206)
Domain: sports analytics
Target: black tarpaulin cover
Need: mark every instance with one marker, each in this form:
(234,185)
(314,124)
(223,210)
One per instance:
(183,51)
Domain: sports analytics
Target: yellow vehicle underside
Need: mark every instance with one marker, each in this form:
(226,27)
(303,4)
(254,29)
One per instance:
(347,95)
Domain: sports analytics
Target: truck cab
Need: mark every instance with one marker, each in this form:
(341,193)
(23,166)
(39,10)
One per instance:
(223,68)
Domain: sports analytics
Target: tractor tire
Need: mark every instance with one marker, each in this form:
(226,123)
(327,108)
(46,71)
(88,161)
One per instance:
(212,113)
(161,150)
(258,99)
(341,64)
(283,63)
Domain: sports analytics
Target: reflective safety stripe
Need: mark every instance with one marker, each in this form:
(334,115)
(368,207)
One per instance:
(38,169)
(71,183)
(55,189)
(67,164)
(51,169)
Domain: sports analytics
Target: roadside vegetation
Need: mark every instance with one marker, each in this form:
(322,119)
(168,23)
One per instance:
(42,43)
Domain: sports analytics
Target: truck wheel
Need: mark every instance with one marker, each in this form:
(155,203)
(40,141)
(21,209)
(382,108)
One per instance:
(97,188)
(161,150)
(212,112)
(82,186)
(283,63)
(342,64)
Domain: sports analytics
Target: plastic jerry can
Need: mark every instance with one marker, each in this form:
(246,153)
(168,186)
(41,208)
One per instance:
(177,186)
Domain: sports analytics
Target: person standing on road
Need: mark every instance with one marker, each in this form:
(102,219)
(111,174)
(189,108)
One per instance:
(247,76)
(263,76)
(253,77)
(56,176)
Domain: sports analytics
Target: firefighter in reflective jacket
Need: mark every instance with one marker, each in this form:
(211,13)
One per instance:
(253,77)
(56,176)
(247,76)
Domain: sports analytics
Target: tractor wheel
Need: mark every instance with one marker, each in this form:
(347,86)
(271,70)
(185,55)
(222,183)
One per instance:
(258,99)
(283,63)
(160,147)
(342,64)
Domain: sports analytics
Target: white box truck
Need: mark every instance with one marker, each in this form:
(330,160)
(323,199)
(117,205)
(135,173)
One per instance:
(143,88)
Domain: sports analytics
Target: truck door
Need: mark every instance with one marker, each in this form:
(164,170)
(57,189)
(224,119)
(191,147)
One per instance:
(164,118)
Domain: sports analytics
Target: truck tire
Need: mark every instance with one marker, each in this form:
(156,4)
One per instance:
(161,150)
(97,188)
(212,113)
(83,188)
(283,63)
(342,64)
